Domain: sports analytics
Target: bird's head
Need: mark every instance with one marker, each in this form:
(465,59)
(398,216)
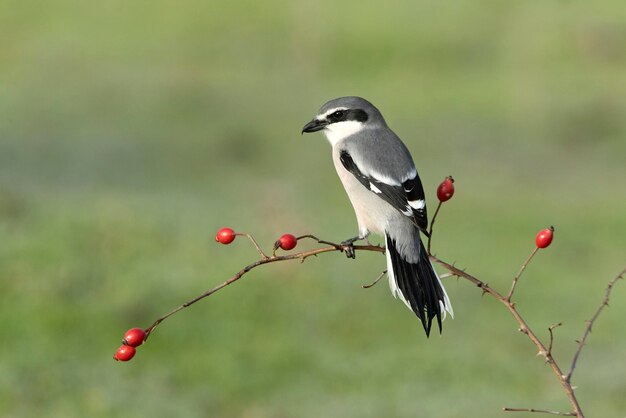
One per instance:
(343,117)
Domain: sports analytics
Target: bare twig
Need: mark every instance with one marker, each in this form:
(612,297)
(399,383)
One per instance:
(338,247)
(550,330)
(587,331)
(380,276)
(256,245)
(432,223)
(516,278)
(543,411)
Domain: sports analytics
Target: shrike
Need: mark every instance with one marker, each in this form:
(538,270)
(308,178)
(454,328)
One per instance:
(378,173)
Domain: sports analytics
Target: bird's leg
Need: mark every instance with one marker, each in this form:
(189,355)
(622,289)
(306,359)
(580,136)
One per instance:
(349,244)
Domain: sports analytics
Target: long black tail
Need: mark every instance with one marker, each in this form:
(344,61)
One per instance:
(417,285)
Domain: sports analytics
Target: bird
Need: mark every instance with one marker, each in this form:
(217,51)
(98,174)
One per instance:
(382,183)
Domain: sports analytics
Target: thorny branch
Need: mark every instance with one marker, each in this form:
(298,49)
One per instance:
(545,352)
(604,304)
(523,328)
(302,256)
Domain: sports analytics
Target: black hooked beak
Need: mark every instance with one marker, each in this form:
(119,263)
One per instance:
(314,126)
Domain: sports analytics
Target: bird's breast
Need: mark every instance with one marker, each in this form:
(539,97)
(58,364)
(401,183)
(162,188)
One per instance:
(372,212)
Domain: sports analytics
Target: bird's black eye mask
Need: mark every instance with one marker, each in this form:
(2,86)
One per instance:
(358,115)
(337,116)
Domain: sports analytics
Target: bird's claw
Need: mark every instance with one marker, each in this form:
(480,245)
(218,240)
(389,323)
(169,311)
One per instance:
(348,248)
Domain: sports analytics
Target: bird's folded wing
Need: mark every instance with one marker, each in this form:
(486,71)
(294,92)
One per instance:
(407,196)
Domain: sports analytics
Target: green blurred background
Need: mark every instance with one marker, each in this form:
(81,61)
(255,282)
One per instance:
(130,131)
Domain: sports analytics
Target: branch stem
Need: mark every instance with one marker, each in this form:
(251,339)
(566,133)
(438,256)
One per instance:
(303,255)
(432,223)
(543,411)
(551,331)
(519,274)
(380,276)
(524,328)
(256,245)
(587,331)
(546,353)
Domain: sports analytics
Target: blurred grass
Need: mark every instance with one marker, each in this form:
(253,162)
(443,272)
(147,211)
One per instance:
(131,131)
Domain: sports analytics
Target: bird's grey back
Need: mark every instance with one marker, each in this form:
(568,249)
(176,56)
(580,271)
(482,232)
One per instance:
(380,147)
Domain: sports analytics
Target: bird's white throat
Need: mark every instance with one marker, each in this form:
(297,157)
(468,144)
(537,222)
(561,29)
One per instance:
(338,131)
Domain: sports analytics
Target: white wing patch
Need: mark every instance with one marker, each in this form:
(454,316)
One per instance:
(390,180)
(417,204)
(381,177)
(374,188)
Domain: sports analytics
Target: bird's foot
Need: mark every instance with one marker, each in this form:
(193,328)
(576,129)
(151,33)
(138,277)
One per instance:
(348,246)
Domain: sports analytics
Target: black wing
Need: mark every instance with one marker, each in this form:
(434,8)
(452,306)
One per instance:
(407,198)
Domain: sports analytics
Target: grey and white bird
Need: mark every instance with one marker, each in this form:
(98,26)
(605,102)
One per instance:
(379,175)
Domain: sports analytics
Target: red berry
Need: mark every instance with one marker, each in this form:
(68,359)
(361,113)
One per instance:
(225,236)
(446,189)
(287,242)
(544,237)
(134,337)
(124,353)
